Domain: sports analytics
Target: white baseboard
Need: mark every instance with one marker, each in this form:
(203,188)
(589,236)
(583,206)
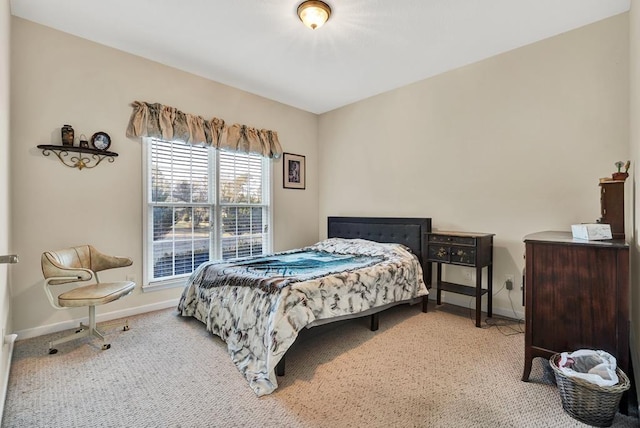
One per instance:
(9,340)
(469,302)
(107,316)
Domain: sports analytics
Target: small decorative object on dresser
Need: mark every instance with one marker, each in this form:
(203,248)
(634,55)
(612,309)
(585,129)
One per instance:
(621,175)
(463,249)
(101,141)
(294,171)
(591,232)
(612,206)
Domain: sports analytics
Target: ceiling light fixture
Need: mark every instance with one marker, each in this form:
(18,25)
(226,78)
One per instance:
(314,13)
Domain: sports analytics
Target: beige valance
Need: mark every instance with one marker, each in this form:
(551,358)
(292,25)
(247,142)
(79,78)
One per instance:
(168,123)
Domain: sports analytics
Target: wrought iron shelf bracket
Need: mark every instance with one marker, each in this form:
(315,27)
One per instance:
(78,157)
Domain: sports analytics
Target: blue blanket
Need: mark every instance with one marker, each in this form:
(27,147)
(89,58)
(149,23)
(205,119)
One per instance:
(270,273)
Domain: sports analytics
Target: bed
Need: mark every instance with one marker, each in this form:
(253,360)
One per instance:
(259,305)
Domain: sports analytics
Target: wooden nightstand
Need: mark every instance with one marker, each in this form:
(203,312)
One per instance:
(463,249)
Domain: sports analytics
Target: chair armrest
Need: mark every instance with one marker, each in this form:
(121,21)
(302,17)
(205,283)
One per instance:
(100,261)
(54,281)
(55,273)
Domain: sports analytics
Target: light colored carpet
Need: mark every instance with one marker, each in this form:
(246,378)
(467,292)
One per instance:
(418,370)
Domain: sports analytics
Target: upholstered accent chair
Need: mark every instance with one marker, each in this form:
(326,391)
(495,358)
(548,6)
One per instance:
(79,264)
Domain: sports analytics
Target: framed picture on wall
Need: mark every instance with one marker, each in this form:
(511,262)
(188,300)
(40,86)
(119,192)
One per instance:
(294,172)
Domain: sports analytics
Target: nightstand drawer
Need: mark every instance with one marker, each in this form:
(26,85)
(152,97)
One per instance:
(452,254)
(463,256)
(438,253)
(452,239)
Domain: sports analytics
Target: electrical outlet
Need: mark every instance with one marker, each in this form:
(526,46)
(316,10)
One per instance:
(508,282)
(470,275)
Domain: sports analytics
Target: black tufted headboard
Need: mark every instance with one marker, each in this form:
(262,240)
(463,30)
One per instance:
(408,231)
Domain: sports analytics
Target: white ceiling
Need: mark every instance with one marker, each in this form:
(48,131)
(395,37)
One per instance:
(367,47)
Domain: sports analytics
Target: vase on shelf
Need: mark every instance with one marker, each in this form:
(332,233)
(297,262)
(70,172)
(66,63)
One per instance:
(67,135)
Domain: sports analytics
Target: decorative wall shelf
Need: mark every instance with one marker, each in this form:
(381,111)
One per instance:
(73,156)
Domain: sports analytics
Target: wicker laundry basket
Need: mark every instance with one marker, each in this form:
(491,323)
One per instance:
(587,402)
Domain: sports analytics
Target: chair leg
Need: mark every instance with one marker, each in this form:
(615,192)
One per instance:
(83,331)
(125,327)
(94,330)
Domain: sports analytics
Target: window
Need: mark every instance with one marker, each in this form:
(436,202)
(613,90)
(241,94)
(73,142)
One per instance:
(202,204)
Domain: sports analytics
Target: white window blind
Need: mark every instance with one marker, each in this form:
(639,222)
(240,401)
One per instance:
(203,204)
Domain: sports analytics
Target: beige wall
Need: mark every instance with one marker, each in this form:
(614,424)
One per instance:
(510,145)
(58,78)
(5,242)
(634,55)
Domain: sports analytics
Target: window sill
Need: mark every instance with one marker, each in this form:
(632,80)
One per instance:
(165,285)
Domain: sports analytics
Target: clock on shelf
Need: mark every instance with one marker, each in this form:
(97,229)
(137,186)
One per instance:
(101,141)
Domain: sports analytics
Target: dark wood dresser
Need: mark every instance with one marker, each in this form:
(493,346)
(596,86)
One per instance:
(576,297)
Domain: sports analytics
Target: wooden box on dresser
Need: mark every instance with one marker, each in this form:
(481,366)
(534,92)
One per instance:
(576,297)
(612,207)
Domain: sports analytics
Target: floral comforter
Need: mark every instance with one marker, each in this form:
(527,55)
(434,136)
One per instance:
(258,305)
